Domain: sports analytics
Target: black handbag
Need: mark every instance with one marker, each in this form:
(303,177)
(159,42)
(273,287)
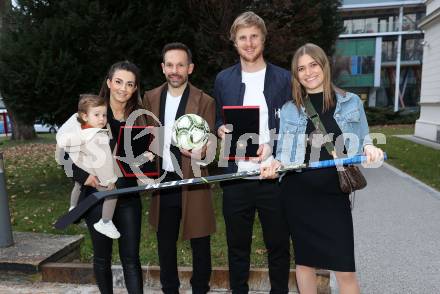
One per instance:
(350,177)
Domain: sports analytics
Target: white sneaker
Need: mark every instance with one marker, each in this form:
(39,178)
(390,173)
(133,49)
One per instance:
(71,207)
(107,229)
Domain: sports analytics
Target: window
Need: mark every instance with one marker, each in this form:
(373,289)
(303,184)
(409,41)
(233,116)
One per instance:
(358,26)
(409,22)
(375,24)
(412,49)
(383,25)
(389,50)
(371,25)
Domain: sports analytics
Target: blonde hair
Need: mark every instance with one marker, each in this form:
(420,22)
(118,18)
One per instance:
(87,101)
(298,91)
(245,20)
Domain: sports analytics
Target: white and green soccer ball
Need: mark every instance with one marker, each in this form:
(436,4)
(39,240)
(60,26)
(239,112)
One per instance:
(190,131)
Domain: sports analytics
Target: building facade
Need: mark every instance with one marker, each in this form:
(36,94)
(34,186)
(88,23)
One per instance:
(428,125)
(381,47)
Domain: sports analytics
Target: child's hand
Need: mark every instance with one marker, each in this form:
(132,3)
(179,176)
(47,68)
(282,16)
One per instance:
(111,186)
(92,181)
(149,155)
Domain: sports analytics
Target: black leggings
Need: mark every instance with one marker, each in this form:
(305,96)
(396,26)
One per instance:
(127,219)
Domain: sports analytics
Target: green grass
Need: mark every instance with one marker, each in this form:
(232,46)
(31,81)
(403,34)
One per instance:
(420,161)
(39,193)
(41,139)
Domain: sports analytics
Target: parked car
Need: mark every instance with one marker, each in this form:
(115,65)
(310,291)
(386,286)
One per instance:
(41,127)
(2,125)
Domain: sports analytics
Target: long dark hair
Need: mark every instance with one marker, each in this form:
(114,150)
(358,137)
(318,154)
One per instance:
(135,101)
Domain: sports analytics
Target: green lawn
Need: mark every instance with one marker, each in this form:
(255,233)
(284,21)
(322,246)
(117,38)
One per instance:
(417,160)
(39,193)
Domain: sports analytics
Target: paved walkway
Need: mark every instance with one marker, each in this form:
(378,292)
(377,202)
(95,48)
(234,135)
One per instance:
(397,234)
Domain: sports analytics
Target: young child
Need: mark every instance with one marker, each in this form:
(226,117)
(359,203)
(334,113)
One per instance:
(85,138)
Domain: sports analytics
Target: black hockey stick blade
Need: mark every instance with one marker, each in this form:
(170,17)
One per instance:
(82,207)
(76,213)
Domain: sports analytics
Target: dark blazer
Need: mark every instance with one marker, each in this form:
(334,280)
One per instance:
(229,91)
(198,218)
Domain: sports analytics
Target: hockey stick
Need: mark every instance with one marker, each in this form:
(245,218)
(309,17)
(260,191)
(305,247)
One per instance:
(82,207)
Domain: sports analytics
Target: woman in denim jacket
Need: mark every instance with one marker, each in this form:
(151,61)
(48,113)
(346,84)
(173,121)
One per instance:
(317,211)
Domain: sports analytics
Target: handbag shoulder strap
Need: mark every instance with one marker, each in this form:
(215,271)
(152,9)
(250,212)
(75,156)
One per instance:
(317,123)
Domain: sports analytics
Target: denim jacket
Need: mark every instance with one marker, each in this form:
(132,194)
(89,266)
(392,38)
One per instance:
(349,115)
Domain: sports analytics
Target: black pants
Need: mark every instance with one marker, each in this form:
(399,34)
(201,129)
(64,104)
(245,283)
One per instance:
(241,199)
(127,219)
(167,235)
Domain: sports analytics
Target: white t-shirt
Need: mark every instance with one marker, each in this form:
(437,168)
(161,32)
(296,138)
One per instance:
(171,106)
(254,96)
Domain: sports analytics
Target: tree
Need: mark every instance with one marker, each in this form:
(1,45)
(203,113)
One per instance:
(212,48)
(168,21)
(4,6)
(294,23)
(290,24)
(37,67)
(53,50)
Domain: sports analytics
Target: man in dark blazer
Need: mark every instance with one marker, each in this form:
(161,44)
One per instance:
(191,206)
(253,81)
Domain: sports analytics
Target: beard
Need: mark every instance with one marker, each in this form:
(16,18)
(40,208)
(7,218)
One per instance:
(253,58)
(176,83)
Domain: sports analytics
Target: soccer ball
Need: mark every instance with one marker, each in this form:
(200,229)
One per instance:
(190,131)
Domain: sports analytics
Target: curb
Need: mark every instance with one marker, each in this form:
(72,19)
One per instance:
(433,192)
(82,273)
(27,254)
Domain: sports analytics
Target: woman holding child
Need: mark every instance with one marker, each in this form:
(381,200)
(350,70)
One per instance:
(121,92)
(317,211)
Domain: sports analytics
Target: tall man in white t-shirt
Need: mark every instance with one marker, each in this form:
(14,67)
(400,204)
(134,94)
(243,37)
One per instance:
(253,81)
(190,207)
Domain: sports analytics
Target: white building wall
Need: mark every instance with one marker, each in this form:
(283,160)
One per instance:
(428,125)
(431,5)
(431,63)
